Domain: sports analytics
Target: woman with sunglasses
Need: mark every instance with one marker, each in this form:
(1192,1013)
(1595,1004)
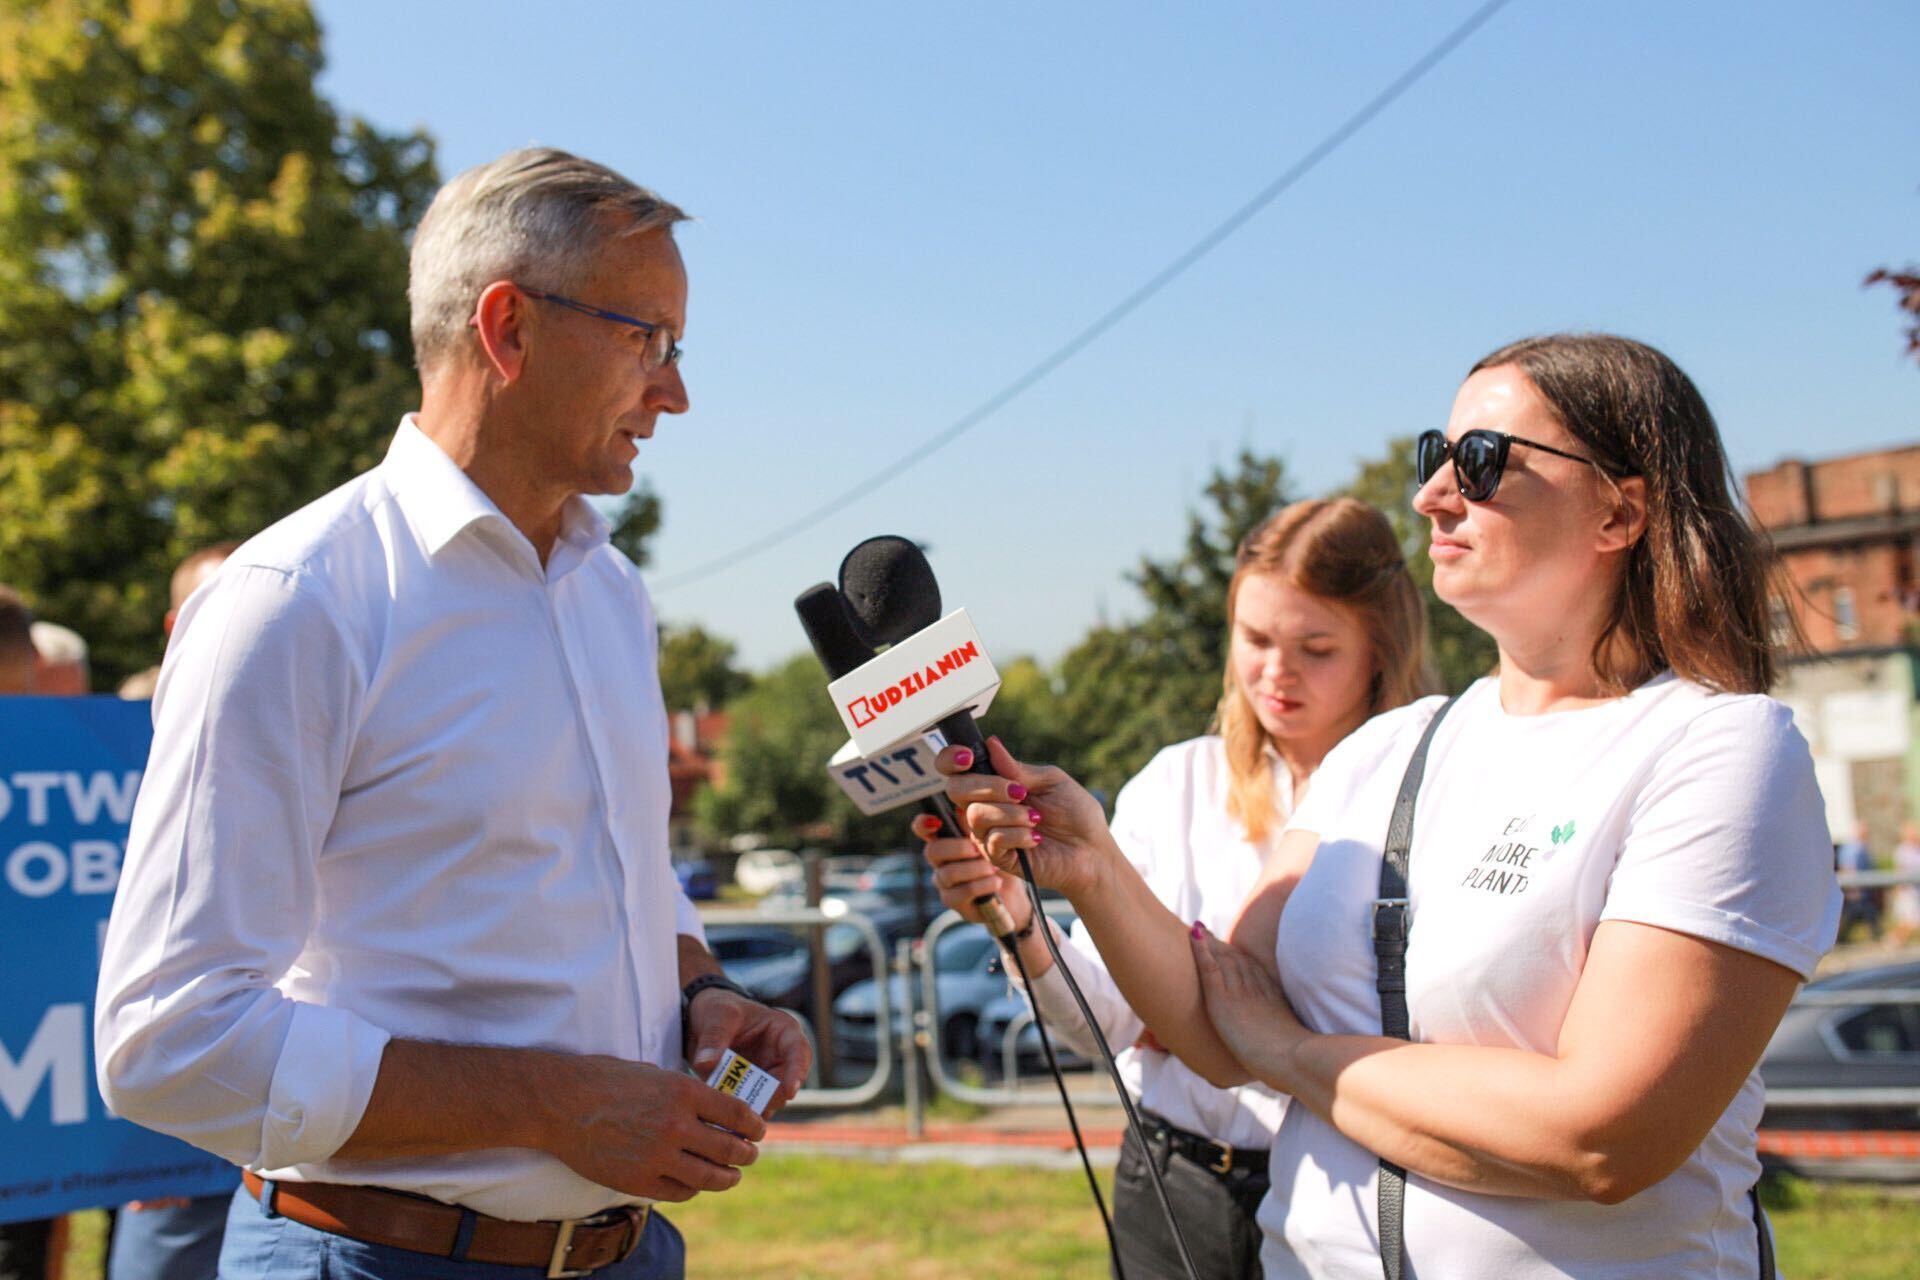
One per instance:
(1618,873)
(1324,629)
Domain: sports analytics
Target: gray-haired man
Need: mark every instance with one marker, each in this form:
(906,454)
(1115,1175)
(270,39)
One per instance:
(397,929)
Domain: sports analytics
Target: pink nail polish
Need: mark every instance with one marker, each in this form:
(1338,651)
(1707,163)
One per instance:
(963,758)
(1037,838)
(1034,816)
(1016,792)
(1199,930)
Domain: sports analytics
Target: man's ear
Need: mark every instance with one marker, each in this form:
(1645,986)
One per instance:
(1624,515)
(500,319)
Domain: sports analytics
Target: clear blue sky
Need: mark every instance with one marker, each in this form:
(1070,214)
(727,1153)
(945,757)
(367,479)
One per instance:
(902,206)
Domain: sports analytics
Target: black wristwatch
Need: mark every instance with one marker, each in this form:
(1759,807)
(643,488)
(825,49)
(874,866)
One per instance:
(706,982)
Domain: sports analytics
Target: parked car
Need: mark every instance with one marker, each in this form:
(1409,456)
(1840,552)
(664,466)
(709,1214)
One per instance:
(890,879)
(967,978)
(764,870)
(775,962)
(1869,1044)
(699,879)
(1030,1058)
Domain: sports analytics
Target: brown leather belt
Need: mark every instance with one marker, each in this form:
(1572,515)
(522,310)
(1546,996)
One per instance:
(576,1247)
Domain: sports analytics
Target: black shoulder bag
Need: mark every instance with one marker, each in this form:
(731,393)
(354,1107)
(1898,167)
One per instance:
(1390,925)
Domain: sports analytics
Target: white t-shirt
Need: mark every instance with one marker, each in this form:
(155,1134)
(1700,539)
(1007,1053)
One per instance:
(1171,821)
(1671,807)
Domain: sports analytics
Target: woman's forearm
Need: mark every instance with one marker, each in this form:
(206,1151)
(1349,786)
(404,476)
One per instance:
(1492,1120)
(1145,948)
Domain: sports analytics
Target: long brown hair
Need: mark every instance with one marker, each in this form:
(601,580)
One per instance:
(1696,587)
(1344,552)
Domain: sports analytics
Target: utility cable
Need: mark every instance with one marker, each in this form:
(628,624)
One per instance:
(1113,316)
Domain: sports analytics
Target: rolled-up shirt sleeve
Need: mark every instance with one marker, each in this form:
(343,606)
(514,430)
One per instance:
(253,723)
(1118,1022)
(686,917)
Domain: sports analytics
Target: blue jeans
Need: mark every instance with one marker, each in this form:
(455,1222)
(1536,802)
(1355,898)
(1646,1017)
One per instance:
(168,1244)
(263,1247)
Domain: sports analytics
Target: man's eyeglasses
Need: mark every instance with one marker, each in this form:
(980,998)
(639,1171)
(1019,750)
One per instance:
(1479,458)
(662,349)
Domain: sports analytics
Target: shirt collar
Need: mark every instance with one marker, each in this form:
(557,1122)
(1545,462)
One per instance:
(435,493)
(442,502)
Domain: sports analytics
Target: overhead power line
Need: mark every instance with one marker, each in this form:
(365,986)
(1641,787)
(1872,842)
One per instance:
(1113,315)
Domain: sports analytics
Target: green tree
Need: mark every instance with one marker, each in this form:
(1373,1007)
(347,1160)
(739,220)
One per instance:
(1462,653)
(635,523)
(205,274)
(1127,690)
(697,668)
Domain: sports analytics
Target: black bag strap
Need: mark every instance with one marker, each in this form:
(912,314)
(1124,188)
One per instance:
(1391,919)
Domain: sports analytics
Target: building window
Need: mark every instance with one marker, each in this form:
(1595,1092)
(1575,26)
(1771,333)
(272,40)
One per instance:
(1780,621)
(1846,620)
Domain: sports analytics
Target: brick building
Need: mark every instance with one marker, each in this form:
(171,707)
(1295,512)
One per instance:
(1848,531)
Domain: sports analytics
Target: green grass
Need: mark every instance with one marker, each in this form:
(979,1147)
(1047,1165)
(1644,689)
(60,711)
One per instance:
(1839,1231)
(799,1217)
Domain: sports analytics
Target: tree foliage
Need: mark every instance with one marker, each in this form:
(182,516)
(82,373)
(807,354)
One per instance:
(1127,690)
(697,669)
(205,273)
(1906,284)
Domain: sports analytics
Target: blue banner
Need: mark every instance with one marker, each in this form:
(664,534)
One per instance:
(69,768)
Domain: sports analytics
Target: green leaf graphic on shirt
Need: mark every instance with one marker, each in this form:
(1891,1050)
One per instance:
(1563,833)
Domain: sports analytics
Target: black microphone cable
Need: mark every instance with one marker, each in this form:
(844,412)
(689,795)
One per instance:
(1113,1071)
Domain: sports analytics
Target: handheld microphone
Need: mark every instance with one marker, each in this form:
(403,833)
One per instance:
(893,598)
(876,780)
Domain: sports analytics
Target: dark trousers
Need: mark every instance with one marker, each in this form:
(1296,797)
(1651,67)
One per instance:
(23,1249)
(1215,1213)
(178,1242)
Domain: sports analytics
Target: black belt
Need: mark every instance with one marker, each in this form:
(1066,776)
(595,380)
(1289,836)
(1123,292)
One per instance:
(1220,1158)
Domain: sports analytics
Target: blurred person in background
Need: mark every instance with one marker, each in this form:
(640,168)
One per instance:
(62,661)
(193,571)
(1858,905)
(1324,629)
(1903,900)
(19,659)
(1620,873)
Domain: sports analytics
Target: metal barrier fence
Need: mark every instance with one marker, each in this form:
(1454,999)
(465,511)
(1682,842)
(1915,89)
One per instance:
(874,1086)
(914,1037)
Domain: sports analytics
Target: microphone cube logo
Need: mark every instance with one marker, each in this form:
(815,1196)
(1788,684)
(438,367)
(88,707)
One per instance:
(916,682)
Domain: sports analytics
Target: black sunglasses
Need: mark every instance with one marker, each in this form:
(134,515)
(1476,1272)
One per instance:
(1479,458)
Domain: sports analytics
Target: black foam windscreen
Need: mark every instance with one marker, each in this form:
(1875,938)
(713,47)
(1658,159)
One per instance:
(823,616)
(889,589)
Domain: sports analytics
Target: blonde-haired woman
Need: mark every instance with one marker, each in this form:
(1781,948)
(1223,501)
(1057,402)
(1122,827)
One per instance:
(1324,630)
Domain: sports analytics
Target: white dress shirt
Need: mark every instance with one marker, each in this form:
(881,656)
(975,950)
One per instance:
(1171,821)
(404,782)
